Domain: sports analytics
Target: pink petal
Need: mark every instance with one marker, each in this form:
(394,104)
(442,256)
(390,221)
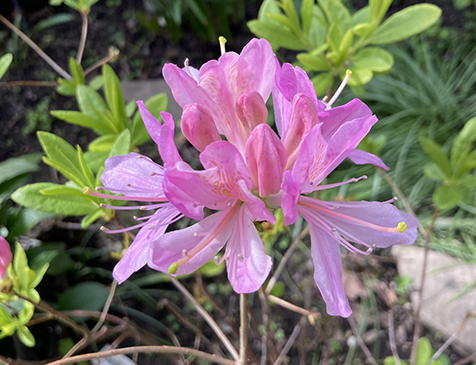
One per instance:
(169,248)
(151,123)
(380,214)
(168,150)
(255,205)
(266,160)
(133,175)
(334,118)
(290,198)
(326,257)
(198,126)
(247,264)
(251,110)
(361,157)
(5,256)
(303,118)
(137,254)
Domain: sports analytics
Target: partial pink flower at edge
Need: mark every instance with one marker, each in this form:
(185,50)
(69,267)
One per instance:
(5,257)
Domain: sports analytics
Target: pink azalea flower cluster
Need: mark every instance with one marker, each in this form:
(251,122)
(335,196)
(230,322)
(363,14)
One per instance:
(249,170)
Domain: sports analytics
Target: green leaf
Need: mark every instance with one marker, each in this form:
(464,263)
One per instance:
(103,143)
(114,97)
(95,160)
(276,34)
(85,168)
(373,58)
(406,23)
(16,166)
(91,217)
(435,152)
(424,351)
(345,43)
(64,204)
(322,82)
(463,141)
(285,22)
(84,296)
(25,336)
(76,71)
(5,63)
(52,21)
(361,16)
(39,273)
(122,146)
(447,197)
(334,36)
(363,30)
(360,76)
(338,14)
(82,119)
(377,10)
(24,221)
(434,172)
(97,82)
(314,63)
(268,7)
(306,15)
(130,108)
(88,99)
(66,87)
(390,360)
(156,104)
(62,156)
(20,265)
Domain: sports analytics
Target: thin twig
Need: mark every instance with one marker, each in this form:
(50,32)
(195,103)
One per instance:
(289,344)
(144,349)
(451,339)
(310,315)
(112,55)
(207,318)
(264,336)
(416,330)
(391,337)
(60,317)
(37,49)
(466,359)
(29,83)
(361,342)
(285,259)
(107,305)
(84,34)
(243,327)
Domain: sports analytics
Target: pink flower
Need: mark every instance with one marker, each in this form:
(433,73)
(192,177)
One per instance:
(5,257)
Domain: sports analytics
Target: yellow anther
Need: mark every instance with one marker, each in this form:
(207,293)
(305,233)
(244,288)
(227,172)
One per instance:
(86,190)
(222,41)
(402,227)
(348,73)
(173,269)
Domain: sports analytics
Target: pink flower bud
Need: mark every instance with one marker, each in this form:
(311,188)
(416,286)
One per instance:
(5,257)
(198,126)
(251,109)
(303,118)
(266,159)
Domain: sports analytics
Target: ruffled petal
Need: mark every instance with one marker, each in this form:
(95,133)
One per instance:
(151,123)
(133,175)
(137,254)
(327,261)
(247,264)
(213,231)
(361,157)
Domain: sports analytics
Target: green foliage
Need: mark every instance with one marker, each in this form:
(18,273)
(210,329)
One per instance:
(5,62)
(83,6)
(424,353)
(84,296)
(16,312)
(454,173)
(67,199)
(335,40)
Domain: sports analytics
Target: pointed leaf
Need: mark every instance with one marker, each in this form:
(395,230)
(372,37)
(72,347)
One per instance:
(436,153)
(76,71)
(406,23)
(88,98)
(434,172)
(5,63)
(25,336)
(373,58)
(463,141)
(322,82)
(447,197)
(122,146)
(314,63)
(103,143)
(276,34)
(306,15)
(82,119)
(114,97)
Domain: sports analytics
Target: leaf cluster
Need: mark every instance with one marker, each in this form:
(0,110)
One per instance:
(335,40)
(424,353)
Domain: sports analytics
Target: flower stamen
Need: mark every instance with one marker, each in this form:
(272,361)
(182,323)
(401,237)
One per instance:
(88,191)
(348,73)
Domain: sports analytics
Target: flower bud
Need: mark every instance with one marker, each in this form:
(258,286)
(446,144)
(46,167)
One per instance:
(251,109)
(266,159)
(5,257)
(198,126)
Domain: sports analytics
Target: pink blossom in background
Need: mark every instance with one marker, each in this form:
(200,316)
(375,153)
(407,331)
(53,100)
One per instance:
(5,257)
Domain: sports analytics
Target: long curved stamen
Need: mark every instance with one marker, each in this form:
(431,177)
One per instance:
(348,73)
(112,231)
(308,202)
(214,232)
(329,186)
(88,191)
(135,207)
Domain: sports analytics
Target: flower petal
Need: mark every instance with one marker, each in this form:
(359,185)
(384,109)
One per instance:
(290,198)
(325,252)
(198,126)
(266,160)
(169,248)
(167,149)
(251,110)
(137,254)
(247,264)
(133,175)
(5,256)
(151,123)
(361,157)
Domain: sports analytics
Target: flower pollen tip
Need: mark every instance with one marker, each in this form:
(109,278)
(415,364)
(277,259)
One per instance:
(153,174)
(217,260)
(102,205)
(240,257)
(172,269)
(222,41)
(86,190)
(184,252)
(143,208)
(348,73)
(402,227)
(104,229)
(99,188)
